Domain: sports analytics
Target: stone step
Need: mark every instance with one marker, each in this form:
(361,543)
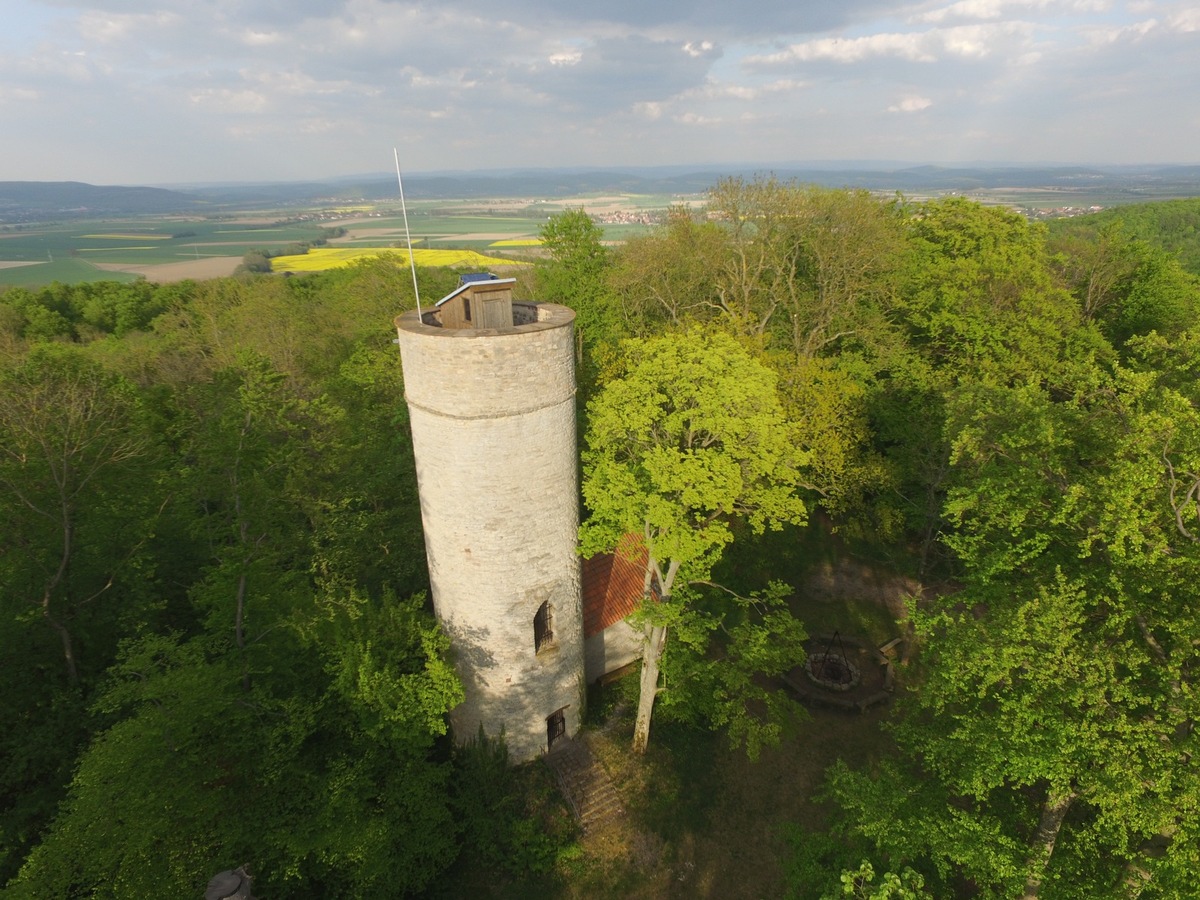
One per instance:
(592,796)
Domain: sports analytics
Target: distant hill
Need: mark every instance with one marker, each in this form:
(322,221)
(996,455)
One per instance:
(32,201)
(1136,181)
(73,199)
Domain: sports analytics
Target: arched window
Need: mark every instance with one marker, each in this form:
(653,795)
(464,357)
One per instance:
(543,628)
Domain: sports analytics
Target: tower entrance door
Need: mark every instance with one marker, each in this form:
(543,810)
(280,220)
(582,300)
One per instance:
(556,727)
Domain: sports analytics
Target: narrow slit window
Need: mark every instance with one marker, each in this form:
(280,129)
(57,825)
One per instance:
(543,630)
(466,309)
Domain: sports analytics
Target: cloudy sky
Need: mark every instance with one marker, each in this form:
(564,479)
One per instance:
(171,91)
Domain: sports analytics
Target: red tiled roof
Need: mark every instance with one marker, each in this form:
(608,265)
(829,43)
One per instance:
(613,584)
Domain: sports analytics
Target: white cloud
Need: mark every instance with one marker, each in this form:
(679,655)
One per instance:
(115,27)
(690,118)
(229,101)
(261,38)
(1186,20)
(962,42)
(849,50)
(1099,36)
(567,83)
(991,10)
(911,104)
(18,95)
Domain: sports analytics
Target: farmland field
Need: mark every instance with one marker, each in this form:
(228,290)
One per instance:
(129,249)
(66,271)
(170,248)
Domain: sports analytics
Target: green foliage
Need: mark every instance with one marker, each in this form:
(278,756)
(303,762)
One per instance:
(512,820)
(201,483)
(245,457)
(48,726)
(574,274)
(78,500)
(670,277)
(143,812)
(791,266)
(1051,728)
(324,781)
(370,533)
(1169,225)
(813,860)
(908,885)
(85,311)
(725,652)
(1128,287)
(691,438)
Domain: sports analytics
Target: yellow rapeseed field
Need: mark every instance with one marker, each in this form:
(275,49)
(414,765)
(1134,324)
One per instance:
(321,258)
(517,242)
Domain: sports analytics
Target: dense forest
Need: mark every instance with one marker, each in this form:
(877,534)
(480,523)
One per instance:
(217,647)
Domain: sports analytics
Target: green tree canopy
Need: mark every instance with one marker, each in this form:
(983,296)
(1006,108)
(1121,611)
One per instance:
(691,440)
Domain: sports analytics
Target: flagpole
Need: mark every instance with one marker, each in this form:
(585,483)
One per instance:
(412,263)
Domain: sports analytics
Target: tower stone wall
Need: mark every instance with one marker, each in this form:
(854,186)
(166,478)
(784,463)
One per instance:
(493,424)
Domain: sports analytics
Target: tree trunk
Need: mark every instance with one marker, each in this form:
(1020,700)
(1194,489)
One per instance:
(652,648)
(64,635)
(1139,871)
(239,628)
(1054,810)
(52,585)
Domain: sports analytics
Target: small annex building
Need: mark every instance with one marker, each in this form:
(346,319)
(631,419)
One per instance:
(613,586)
(489,382)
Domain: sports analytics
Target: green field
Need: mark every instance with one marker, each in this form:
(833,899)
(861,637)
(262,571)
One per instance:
(85,250)
(67,270)
(144,241)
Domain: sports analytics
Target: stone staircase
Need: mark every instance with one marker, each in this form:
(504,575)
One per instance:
(590,792)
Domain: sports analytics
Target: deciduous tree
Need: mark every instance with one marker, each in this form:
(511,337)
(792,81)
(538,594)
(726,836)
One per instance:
(690,440)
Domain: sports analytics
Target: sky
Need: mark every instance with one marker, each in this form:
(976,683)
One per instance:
(191,91)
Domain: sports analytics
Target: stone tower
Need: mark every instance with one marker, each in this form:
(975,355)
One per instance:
(490,387)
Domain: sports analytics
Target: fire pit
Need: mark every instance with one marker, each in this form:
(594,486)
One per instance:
(844,673)
(832,672)
(831,668)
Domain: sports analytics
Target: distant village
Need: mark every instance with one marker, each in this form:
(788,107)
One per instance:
(1058,212)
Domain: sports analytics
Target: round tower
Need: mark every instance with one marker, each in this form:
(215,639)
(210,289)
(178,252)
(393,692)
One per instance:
(490,387)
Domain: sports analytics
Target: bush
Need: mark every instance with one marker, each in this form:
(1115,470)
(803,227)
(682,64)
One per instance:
(511,819)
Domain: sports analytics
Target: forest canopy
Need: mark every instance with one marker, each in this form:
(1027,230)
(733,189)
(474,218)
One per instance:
(218,648)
